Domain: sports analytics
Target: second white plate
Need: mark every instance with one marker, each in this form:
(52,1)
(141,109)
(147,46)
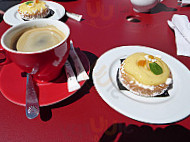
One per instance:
(12,16)
(155,110)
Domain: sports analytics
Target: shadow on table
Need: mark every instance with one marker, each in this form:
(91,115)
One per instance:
(133,133)
(46,113)
(161,7)
(157,9)
(6,4)
(187,5)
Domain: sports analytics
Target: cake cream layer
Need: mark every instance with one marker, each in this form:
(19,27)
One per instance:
(141,72)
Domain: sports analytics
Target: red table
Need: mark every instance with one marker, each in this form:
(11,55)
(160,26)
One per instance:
(85,116)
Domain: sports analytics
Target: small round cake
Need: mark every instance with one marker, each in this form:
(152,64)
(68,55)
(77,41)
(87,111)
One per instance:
(33,9)
(145,75)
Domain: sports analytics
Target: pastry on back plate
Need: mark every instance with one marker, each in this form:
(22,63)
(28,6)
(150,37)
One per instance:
(33,10)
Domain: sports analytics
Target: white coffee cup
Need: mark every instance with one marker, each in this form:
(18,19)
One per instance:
(144,5)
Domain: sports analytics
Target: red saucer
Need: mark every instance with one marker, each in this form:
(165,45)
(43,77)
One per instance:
(13,84)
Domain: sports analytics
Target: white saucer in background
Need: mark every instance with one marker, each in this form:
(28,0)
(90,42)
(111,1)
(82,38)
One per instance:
(12,16)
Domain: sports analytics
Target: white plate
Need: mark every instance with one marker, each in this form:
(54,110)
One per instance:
(171,110)
(12,16)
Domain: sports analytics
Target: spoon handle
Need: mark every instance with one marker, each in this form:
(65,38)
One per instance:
(32,105)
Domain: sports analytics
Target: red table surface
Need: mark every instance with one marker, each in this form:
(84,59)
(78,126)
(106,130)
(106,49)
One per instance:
(85,116)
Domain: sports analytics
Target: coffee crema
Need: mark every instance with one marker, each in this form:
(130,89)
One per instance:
(37,39)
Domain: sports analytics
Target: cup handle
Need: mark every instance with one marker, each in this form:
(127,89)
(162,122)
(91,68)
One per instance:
(5,60)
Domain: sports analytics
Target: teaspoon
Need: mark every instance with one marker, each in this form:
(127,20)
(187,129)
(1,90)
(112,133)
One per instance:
(32,105)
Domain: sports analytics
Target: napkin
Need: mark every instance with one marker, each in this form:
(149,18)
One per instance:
(181,26)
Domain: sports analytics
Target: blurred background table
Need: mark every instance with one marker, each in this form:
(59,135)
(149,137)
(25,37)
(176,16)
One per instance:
(85,116)
(6,4)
